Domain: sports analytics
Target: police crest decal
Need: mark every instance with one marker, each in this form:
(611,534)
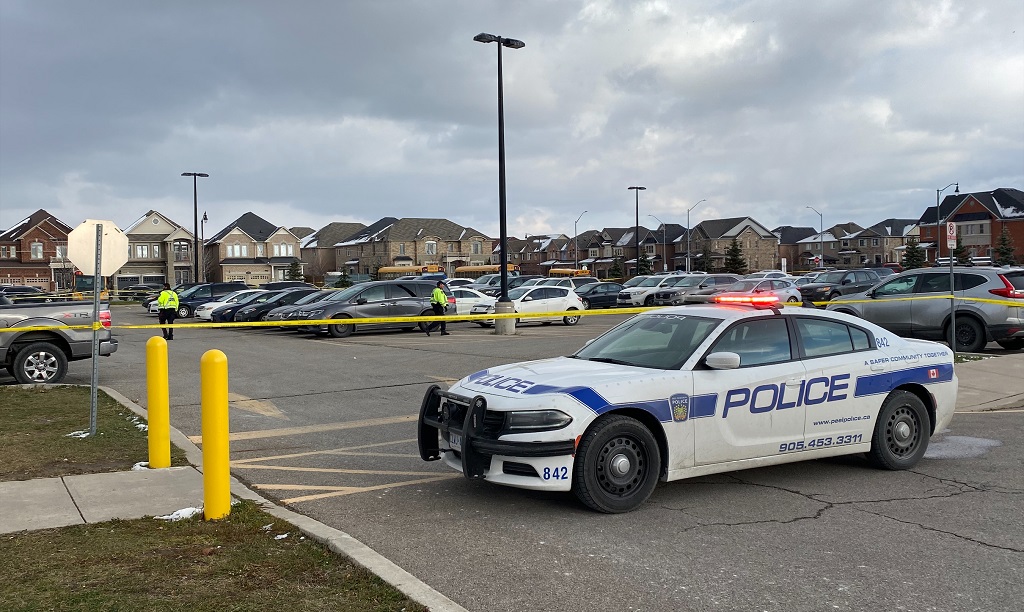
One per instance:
(680,404)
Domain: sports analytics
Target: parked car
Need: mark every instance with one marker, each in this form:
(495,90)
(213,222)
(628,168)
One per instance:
(784,290)
(513,282)
(599,295)
(831,285)
(538,298)
(642,294)
(883,272)
(23,294)
(287,312)
(675,295)
(977,322)
(288,284)
(895,267)
(466,299)
(458,282)
(205,311)
(133,293)
(768,274)
(259,308)
(389,298)
(572,282)
(191,298)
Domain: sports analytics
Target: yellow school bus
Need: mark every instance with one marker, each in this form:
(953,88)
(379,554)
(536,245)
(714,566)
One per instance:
(393,272)
(478,271)
(562,272)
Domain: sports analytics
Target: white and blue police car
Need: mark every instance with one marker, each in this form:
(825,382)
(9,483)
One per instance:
(693,390)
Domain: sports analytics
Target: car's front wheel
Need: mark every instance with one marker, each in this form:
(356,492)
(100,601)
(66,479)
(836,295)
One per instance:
(649,301)
(571,319)
(340,330)
(970,335)
(901,432)
(617,464)
(40,362)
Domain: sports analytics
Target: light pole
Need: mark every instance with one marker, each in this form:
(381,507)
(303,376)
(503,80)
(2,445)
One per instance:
(664,240)
(688,235)
(511,43)
(576,241)
(195,223)
(938,221)
(636,230)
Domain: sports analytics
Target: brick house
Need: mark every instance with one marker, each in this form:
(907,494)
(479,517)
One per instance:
(159,251)
(318,251)
(876,245)
(759,245)
(252,250)
(791,249)
(34,252)
(602,247)
(980,218)
(414,242)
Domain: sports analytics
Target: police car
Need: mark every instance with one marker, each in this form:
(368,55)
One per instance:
(693,390)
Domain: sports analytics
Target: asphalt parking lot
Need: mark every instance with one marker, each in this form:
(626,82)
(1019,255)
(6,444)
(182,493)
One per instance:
(327,426)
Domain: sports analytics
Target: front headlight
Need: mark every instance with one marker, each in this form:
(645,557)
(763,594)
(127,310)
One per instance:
(823,289)
(246,310)
(536,420)
(314,314)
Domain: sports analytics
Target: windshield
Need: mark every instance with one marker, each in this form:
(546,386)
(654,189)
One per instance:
(249,297)
(345,294)
(234,296)
(690,281)
(830,277)
(188,292)
(656,341)
(314,297)
(651,282)
(633,282)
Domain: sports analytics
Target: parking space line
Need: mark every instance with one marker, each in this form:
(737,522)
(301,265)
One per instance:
(294,500)
(288,468)
(334,451)
(308,429)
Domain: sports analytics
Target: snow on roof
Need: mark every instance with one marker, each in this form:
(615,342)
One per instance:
(1005,212)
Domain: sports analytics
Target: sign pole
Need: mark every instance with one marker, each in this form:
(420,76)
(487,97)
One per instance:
(951,244)
(95,330)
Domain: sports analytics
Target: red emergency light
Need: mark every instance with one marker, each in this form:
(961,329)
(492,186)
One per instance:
(757,300)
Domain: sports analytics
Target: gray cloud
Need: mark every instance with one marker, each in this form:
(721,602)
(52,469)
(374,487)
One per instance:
(313,112)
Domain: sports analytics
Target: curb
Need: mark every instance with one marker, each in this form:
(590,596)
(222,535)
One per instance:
(336,540)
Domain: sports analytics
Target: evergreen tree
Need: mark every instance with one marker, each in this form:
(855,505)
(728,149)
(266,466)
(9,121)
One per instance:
(704,263)
(734,261)
(963,258)
(294,272)
(616,270)
(643,265)
(1004,249)
(343,281)
(913,257)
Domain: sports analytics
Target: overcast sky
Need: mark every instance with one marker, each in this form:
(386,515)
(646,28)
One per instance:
(310,112)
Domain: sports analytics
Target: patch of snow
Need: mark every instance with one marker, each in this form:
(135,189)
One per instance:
(281,537)
(142,465)
(77,434)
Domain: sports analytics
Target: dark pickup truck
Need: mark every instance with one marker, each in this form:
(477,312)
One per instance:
(42,355)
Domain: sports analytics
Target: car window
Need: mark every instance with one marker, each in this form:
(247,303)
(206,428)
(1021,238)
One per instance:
(821,338)
(898,286)
(968,281)
(374,294)
(558,292)
(933,283)
(758,342)
(417,290)
(656,341)
(201,292)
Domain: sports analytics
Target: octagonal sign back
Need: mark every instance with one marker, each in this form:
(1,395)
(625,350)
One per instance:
(82,247)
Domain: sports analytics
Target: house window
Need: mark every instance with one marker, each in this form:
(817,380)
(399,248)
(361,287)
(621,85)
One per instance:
(863,242)
(453,247)
(617,251)
(7,251)
(156,250)
(477,247)
(37,250)
(649,249)
(593,252)
(878,259)
(277,250)
(401,248)
(259,250)
(431,247)
(142,251)
(874,242)
(831,245)
(846,243)
(62,251)
(238,250)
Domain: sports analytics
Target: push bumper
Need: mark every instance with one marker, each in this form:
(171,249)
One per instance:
(450,415)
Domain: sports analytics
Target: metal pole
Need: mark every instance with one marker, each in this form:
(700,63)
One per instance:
(503,258)
(576,240)
(688,232)
(952,285)
(94,386)
(636,238)
(195,229)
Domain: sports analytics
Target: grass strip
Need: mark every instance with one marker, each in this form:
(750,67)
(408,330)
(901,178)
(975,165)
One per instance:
(238,563)
(34,428)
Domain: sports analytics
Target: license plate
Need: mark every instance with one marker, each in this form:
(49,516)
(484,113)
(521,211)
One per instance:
(455,441)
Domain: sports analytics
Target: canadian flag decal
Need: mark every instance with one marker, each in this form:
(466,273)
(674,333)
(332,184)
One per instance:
(933,373)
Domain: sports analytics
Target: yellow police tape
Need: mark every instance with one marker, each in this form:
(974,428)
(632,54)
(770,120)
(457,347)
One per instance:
(455,318)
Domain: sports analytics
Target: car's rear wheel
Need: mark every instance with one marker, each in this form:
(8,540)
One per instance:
(1011,344)
(792,300)
(901,432)
(184,312)
(485,324)
(970,336)
(40,362)
(571,319)
(617,465)
(337,330)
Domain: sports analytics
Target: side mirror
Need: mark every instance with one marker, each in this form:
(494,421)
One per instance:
(361,301)
(846,281)
(527,299)
(723,361)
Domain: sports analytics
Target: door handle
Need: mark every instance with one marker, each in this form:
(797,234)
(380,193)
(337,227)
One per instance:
(877,367)
(794,382)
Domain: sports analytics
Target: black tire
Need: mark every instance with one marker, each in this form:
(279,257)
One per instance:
(970,335)
(792,300)
(902,431)
(340,330)
(586,304)
(263,317)
(834,295)
(617,465)
(40,362)
(571,319)
(649,300)
(1011,344)
(184,312)
(484,324)
(423,326)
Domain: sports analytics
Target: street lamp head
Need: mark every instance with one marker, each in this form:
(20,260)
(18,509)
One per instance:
(956,189)
(205,218)
(512,43)
(639,188)
(202,174)
(486,38)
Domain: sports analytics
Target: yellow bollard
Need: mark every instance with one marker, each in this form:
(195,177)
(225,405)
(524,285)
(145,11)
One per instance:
(158,402)
(213,371)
